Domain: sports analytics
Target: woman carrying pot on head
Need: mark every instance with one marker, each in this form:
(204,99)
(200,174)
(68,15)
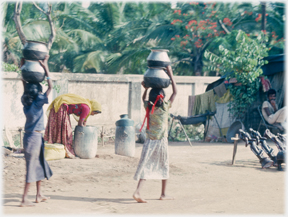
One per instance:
(37,167)
(59,129)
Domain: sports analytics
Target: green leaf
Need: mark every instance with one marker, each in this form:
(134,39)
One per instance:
(238,36)
(221,48)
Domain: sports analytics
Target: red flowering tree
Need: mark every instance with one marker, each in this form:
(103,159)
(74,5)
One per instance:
(198,24)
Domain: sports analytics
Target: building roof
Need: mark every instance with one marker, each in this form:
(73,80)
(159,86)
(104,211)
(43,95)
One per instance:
(276,64)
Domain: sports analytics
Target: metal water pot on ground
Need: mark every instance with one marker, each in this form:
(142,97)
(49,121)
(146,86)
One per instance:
(85,141)
(125,136)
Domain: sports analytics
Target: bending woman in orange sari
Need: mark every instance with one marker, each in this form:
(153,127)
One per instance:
(59,129)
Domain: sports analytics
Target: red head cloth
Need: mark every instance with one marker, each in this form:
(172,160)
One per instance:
(152,111)
(157,99)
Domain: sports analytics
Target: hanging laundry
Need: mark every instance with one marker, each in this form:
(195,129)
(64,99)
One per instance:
(265,84)
(197,105)
(204,102)
(227,97)
(220,90)
(191,101)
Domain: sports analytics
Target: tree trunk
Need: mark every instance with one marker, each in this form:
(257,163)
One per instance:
(16,18)
(52,27)
(263,19)
(198,64)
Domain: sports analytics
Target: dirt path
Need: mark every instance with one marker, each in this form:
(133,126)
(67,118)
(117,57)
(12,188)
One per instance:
(202,180)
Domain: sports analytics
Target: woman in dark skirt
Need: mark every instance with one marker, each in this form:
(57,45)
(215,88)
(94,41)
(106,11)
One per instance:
(37,167)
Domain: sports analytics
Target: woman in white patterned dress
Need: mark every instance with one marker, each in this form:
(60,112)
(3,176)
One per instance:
(154,160)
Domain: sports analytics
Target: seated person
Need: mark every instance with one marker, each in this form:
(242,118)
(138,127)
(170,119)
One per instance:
(271,113)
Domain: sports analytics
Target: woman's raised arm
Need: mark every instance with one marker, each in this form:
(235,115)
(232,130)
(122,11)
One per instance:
(44,64)
(174,88)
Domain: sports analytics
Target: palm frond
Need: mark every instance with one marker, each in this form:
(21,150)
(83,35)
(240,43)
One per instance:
(38,30)
(111,14)
(129,57)
(14,43)
(84,38)
(163,33)
(63,43)
(74,21)
(112,58)
(94,60)
(4,6)
(89,60)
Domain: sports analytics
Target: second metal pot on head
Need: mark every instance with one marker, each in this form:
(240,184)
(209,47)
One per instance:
(35,50)
(32,72)
(156,78)
(158,58)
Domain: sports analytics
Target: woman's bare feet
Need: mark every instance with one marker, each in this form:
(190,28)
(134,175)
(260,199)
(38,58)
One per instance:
(138,198)
(26,203)
(163,197)
(41,198)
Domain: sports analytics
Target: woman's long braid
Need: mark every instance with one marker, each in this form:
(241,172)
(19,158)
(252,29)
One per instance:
(153,94)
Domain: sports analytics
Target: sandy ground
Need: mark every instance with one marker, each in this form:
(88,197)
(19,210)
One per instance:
(202,180)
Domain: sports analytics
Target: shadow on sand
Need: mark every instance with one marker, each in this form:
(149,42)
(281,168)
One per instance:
(8,198)
(245,164)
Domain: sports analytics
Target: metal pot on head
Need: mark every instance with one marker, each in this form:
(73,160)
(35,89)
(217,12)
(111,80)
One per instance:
(34,50)
(32,72)
(156,78)
(158,58)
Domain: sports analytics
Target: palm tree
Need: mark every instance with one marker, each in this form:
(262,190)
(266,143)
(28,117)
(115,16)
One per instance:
(116,37)
(156,30)
(145,27)
(34,25)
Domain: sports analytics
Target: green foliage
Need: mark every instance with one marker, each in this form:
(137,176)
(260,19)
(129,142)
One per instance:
(6,67)
(55,87)
(113,37)
(200,24)
(275,25)
(194,132)
(242,57)
(16,140)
